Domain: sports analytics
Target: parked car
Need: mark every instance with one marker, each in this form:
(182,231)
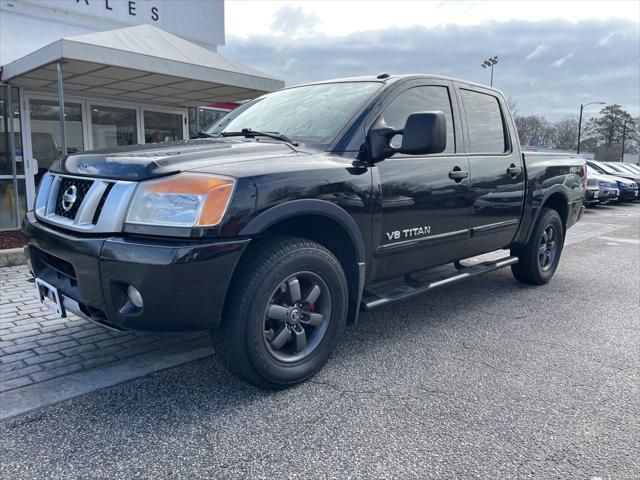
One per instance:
(246,234)
(607,189)
(591,194)
(633,167)
(625,168)
(626,183)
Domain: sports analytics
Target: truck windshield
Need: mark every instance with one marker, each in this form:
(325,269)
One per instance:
(310,114)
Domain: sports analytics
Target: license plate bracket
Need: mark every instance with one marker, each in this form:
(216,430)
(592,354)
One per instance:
(50,298)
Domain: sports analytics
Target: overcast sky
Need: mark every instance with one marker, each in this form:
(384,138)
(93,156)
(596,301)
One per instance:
(552,55)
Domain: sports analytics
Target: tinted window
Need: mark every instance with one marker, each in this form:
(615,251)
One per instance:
(484,123)
(420,99)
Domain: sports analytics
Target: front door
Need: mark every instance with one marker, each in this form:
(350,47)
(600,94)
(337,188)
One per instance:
(163,126)
(424,204)
(496,173)
(12,167)
(44,130)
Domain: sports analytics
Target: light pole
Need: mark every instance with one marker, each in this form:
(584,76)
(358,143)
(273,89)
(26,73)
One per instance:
(580,120)
(624,136)
(490,62)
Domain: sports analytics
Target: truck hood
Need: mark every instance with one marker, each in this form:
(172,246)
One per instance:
(140,162)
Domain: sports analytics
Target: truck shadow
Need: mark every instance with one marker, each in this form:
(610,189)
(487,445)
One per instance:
(403,352)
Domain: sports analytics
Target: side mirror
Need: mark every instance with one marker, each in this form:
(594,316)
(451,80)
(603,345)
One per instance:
(424,133)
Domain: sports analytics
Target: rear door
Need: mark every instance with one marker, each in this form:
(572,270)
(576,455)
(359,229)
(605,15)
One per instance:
(424,210)
(496,181)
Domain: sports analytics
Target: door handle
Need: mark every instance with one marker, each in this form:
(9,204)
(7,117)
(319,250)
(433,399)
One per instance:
(513,170)
(457,175)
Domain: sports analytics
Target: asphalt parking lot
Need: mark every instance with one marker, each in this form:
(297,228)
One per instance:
(490,379)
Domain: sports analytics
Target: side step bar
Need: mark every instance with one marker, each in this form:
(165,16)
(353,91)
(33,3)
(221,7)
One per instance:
(413,287)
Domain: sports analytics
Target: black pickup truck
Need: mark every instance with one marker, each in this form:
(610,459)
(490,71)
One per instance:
(296,211)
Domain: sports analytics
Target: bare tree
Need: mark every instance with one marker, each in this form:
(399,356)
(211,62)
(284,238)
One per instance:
(532,129)
(513,106)
(566,134)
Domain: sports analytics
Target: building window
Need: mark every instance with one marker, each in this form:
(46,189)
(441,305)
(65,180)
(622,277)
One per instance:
(162,127)
(202,118)
(113,126)
(46,143)
(12,199)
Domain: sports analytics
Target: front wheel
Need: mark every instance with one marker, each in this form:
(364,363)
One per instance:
(286,308)
(539,258)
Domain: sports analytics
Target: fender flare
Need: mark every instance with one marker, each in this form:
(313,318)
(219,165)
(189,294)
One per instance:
(538,209)
(295,208)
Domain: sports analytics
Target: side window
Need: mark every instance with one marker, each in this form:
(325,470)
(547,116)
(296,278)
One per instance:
(420,99)
(484,123)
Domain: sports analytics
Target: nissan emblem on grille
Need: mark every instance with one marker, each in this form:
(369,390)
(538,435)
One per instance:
(69,198)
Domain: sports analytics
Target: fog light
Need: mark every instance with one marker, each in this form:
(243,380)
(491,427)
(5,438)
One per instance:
(134,296)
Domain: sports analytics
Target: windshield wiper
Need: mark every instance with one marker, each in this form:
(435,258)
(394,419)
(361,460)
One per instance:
(202,134)
(248,133)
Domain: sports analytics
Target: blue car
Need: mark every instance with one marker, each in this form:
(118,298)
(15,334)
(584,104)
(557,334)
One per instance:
(626,183)
(600,189)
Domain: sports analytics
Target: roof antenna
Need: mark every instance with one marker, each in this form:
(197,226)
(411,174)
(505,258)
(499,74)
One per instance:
(382,76)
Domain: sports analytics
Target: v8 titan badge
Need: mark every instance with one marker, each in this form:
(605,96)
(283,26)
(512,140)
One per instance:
(409,233)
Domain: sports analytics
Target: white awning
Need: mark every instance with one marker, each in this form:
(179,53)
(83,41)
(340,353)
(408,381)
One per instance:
(141,63)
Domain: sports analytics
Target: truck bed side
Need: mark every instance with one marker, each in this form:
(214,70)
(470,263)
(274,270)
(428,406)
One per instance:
(553,179)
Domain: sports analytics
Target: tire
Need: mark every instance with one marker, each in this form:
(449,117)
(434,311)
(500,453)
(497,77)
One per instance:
(536,267)
(259,338)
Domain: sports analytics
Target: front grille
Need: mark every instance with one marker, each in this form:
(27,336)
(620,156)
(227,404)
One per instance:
(100,204)
(96,215)
(82,187)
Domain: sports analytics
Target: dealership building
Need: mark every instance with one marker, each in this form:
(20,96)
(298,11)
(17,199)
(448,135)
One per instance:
(128,72)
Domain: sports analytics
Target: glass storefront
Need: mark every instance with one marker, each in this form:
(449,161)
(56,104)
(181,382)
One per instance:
(46,144)
(113,126)
(162,127)
(201,118)
(89,125)
(12,193)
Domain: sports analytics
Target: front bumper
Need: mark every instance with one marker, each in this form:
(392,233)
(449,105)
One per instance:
(608,194)
(591,196)
(183,284)
(628,194)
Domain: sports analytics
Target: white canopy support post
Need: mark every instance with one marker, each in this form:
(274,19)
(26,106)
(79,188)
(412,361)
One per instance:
(12,155)
(63,130)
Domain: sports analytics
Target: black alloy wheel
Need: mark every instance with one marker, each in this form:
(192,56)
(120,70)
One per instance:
(539,258)
(297,317)
(285,310)
(548,248)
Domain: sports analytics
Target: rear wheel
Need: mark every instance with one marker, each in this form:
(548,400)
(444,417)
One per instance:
(286,308)
(539,258)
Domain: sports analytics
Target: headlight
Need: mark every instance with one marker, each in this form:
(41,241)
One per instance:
(183,200)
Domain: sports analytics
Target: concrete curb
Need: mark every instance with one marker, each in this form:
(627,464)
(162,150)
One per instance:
(12,257)
(24,399)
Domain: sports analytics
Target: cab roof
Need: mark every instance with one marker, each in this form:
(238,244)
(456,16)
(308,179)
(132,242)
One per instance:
(390,79)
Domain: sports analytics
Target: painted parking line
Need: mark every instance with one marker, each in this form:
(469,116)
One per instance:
(631,241)
(586,230)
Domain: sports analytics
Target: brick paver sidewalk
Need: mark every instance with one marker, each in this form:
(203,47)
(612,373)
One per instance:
(35,346)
